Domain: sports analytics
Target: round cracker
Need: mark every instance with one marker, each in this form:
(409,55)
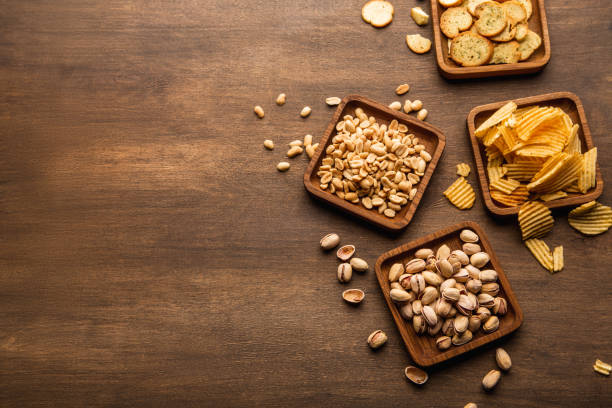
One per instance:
(505,53)
(515,12)
(450,3)
(418,44)
(454,20)
(521,31)
(527,6)
(529,44)
(378,13)
(470,50)
(506,35)
(491,19)
(472,4)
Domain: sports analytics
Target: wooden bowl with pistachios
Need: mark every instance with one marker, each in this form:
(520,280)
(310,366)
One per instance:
(448,293)
(374,162)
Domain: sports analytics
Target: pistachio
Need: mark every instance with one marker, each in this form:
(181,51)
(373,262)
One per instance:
(417,307)
(470,248)
(330,241)
(470,405)
(435,329)
(377,339)
(491,324)
(443,252)
(473,271)
(488,275)
(404,281)
(490,288)
(453,312)
(479,259)
(462,338)
(417,284)
(462,275)
(461,256)
(473,285)
(423,253)
(442,307)
(418,324)
(483,313)
(432,278)
(456,265)
(500,306)
(406,311)
(399,295)
(359,265)
(449,283)
(444,268)
(474,323)
(468,236)
(461,323)
(396,271)
(430,264)
(474,299)
(345,272)
(354,296)
(414,266)
(443,342)
(429,295)
(345,252)
(416,375)
(486,300)
(429,316)
(395,285)
(503,359)
(448,327)
(451,295)
(491,379)
(461,287)
(465,305)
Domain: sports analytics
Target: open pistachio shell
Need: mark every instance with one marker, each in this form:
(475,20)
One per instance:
(354,296)
(416,375)
(345,252)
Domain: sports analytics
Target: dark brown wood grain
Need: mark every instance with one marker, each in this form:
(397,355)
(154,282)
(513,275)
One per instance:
(536,62)
(423,348)
(151,255)
(429,136)
(571,104)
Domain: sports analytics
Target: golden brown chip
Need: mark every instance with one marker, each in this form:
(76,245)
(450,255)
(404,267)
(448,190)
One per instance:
(558,259)
(502,113)
(591,219)
(573,141)
(522,171)
(463,169)
(505,185)
(491,136)
(535,220)
(495,173)
(560,171)
(553,196)
(541,252)
(534,118)
(589,170)
(460,194)
(518,196)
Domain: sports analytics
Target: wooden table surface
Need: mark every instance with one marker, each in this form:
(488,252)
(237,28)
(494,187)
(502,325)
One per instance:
(152,256)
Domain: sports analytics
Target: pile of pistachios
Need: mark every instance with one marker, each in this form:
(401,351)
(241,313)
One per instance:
(448,294)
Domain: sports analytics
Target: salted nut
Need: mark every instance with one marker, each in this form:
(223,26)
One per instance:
(443,342)
(377,339)
(443,252)
(423,253)
(491,379)
(479,259)
(399,295)
(354,296)
(396,271)
(345,252)
(416,375)
(503,359)
(359,265)
(345,272)
(330,241)
(468,236)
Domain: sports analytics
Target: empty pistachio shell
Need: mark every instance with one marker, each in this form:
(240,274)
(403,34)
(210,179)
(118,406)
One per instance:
(491,379)
(399,295)
(491,324)
(345,252)
(330,241)
(480,259)
(500,306)
(459,339)
(503,359)
(423,253)
(470,248)
(443,342)
(443,252)
(468,236)
(359,265)
(396,271)
(377,339)
(416,375)
(345,272)
(354,296)
(415,266)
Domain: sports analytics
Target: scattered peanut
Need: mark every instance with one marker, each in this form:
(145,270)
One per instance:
(402,89)
(305,111)
(408,106)
(307,140)
(294,151)
(259,111)
(268,144)
(281,99)
(422,114)
(397,105)
(283,166)
(333,101)
(416,105)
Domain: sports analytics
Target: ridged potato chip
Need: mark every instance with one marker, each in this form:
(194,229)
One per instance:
(505,185)
(522,171)
(553,196)
(518,196)
(460,194)
(535,220)
(573,141)
(586,176)
(541,252)
(560,171)
(502,113)
(463,169)
(534,118)
(557,259)
(591,218)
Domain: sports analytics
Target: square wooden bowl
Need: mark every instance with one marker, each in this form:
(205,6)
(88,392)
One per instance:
(571,104)
(537,61)
(423,348)
(428,135)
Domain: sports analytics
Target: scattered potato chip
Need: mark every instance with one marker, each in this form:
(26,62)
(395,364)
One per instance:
(541,252)
(557,259)
(461,194)
(591,219)
(553,196)
(518,196)
(502,113)
(505,185)
(463,169)
(535,220)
